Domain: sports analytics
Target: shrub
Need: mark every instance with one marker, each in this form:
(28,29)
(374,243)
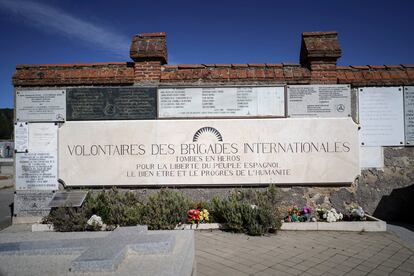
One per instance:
(116,208)
(251,211)
(67,219)
(165,209)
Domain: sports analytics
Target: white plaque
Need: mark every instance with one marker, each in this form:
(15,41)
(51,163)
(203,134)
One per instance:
(209,152)
(409,115)
(43,137)
(40,105)
(371,157)
(36,171)
(381,115)
(221,102)
(319,100)
(21,137)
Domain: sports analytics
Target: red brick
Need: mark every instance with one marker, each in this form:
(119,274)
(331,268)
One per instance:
(260,73)
(239,65)
(279,65)
(256,64)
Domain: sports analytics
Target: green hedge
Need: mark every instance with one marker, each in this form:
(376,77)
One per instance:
(250,211)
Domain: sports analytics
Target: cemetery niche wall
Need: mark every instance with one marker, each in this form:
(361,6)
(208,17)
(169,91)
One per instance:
(321,132)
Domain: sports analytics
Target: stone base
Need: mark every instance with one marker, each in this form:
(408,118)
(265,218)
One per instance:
(370,225)
(202,226)
(55,253)
(39,227)
(24,220)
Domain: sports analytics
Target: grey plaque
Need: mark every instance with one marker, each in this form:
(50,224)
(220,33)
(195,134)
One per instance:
(32,203)
(68,199)
(111,103)
(244,101)
(40,105)
(36,171)
(319,100)
(409,115)
(21,137)
(381,116)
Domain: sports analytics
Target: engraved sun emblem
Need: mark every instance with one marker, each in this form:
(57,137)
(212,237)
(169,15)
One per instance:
(207,135)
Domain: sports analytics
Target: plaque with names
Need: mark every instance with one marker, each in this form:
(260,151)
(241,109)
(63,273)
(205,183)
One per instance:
(111,103)
(43,137)
(381,116)
(409,115)
(209,102)
(319,100)
(21,137)
(36,171)
(41,105)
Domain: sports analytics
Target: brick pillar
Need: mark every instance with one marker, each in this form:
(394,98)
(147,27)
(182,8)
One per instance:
(319,52)
(149,52)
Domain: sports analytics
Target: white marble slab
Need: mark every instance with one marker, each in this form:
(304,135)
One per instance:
(244,101)
(371,157)
(36,171)
(43,137)
(319,100)
(41,105)
(381,116)
(21,137)
(209,152)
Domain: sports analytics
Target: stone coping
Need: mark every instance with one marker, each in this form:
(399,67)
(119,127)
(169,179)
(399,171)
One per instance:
(370,225)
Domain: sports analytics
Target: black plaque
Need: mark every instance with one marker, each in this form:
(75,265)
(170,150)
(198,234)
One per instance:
(111,103)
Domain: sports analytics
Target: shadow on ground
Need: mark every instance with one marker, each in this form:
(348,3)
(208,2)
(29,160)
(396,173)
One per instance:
(398,206)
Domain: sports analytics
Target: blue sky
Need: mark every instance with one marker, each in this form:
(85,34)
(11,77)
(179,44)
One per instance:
(56,31)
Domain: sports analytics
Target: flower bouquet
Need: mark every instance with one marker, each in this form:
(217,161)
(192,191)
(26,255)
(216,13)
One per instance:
(300,215)
(195,216)
(329,215)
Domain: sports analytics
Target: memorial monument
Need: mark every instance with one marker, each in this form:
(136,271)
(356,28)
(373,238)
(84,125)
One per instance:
(322,132)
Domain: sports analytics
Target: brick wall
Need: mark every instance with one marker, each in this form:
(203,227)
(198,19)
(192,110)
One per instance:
(318,65)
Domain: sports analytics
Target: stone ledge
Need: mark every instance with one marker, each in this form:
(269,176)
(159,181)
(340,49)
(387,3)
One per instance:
(371,225)
(202,226)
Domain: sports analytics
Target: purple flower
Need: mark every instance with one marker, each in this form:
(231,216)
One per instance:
(306,210)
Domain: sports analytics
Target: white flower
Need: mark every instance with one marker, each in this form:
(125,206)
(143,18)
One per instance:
(95,221)
(253,206)
(358,212)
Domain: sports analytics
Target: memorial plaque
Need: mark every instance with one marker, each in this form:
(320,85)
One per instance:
(68,199)
(319,100)
(40,105)
(32,203)
(209,152)
(381,116)
(409,115)
(221,102)
(43,137)
(36,171)
(21,137)
(111,103)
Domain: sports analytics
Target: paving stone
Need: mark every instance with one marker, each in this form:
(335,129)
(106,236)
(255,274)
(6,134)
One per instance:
(90,252)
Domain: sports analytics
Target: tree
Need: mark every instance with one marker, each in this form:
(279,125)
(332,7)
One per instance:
(6,124)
